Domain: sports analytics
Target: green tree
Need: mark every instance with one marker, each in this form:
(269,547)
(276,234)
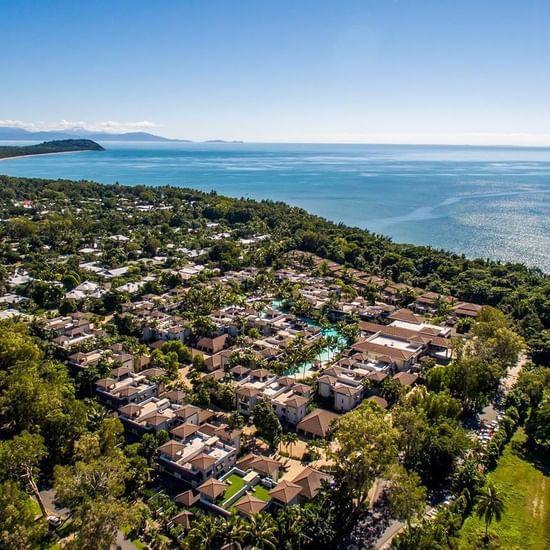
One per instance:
(18,528)
(20,458)
(260,532)
(97,521)
(496,340)
(539,346)
(490,506)
(537,426)
(205,533)
(183,352)
(366,446)
(267,422)
(233,530)
(391,390)
(287,440)
(100,471)
(407,495)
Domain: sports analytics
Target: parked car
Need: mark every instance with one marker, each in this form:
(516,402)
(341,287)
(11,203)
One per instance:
(54,521)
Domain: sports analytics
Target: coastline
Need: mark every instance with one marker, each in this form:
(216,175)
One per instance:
(482,205)
(43,154)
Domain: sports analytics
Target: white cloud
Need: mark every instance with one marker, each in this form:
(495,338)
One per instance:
(106,126)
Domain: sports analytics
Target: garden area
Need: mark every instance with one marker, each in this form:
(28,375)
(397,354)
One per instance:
(525,523)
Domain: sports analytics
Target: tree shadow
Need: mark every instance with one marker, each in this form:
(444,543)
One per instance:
(535,456)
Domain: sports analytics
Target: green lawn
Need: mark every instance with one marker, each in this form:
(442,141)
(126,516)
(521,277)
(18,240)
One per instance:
(236,483)
(261,492)
(526,522)
(35,506)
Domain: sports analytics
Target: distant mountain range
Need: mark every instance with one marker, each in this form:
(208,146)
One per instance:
(19,134)
(9,133)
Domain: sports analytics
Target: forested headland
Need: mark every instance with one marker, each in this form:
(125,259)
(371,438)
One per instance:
(49,147)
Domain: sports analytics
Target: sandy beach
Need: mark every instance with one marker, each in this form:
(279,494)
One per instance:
(43,154)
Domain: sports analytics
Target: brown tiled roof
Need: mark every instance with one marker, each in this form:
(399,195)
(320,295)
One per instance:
(130,410)
(217,375)
(466,308)
(332,371)
(247,391)
(297,401)
(185,430)
(442,342)
(105,383)
(212,488)
(380,401)
(326,379)
(239,371)
(187,498)
(250,505)
(205,415)
(125,392)
(186,411)
(402,333)
(260,464)
(175,395)
(347,390)
(310,481)
(171,448)
(386,350)
(260,373)
(155,419)
(377,376)
(120,371)
(224,432)
(183,519)
(405,315)
(317,423)
(202,462)
(406,378)
(153,372)
(302,389)
(285,491)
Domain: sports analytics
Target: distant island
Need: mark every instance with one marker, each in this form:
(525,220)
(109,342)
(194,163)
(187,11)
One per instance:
(223,141)
(48,147)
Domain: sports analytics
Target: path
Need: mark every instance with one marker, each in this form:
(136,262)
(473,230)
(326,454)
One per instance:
(393,529)
(509,381)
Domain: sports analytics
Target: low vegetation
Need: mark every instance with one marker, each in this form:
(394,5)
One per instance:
(48,147)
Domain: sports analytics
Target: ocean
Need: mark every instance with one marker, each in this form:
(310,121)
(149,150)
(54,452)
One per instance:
(489,202)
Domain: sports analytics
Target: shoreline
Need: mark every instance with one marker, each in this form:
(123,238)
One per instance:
(156,174)
(43,154)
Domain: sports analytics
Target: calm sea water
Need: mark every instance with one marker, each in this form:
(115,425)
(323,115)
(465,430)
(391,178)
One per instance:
(488,202)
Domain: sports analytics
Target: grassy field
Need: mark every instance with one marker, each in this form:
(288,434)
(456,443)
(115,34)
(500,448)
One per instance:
(236,483)
(261,492)
(526,522)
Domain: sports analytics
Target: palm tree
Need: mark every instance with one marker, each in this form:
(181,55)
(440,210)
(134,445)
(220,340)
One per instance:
(490,505)
(204,533)
(260,532)
(289,439)
(95,414)
(233,531)
(290,527)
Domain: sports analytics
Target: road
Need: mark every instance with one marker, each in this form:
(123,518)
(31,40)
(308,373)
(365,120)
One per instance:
(509,381)
(394,528)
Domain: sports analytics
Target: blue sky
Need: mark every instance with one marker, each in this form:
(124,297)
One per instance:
(467,71)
